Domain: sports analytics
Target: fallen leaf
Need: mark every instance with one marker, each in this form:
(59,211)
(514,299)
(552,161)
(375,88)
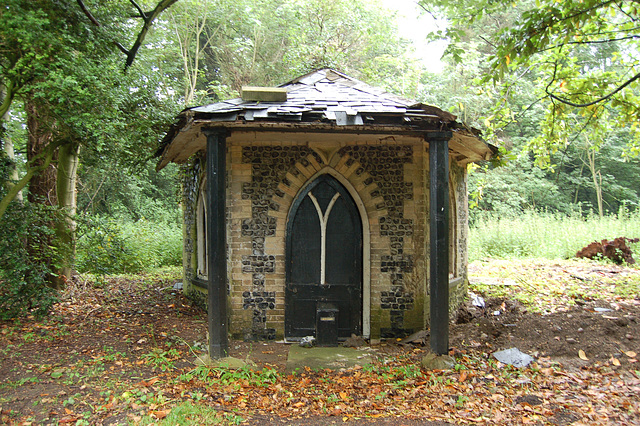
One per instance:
(582,355)
(615,362)
(547,371)
(630,354)
(160,414)
(149,382)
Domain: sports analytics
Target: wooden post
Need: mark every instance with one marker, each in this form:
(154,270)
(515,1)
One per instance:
(217,242)
(439,240)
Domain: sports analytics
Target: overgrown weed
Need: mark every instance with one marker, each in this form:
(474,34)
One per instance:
(545,235)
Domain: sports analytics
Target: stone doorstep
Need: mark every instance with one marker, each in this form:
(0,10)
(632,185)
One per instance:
(319,358)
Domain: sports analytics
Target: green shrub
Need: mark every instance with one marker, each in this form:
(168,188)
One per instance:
(106,246)
(545,235)
(101,249)
(28,260)
(154,244)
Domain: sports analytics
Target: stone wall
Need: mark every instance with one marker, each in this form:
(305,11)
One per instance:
(387,181)
(192,174)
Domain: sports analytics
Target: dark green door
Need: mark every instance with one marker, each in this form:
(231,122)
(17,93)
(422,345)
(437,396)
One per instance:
(324,259)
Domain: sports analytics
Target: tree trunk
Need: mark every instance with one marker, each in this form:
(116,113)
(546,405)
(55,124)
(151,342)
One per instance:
(596,176)
(66,195)
(7,146)
(597,180)
(42,185)
(42,188)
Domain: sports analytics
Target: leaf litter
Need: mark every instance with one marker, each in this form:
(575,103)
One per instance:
(122,354)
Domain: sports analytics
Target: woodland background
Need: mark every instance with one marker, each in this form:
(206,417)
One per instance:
(88,89)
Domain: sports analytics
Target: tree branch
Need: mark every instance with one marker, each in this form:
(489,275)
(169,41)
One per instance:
(95,22)
(602,99)
(88,13)
(31,171)
(619,5)
(122,48)
(581,12)
(559,46)
(148,21)
(8,97)
(140,11)
(84,211)
(486,40)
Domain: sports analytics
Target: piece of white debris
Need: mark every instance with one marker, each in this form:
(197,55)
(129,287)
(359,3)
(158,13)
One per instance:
(513,357)
(308,342)
(477,301)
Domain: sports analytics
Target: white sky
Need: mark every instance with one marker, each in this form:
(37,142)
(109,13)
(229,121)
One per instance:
(414,24)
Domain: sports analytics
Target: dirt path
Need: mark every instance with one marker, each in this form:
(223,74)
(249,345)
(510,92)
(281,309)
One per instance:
(123,354)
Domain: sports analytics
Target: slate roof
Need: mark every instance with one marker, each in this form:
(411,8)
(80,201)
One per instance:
(325,95)
(321,100)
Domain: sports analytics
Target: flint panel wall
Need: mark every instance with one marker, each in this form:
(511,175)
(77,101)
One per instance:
(387,179)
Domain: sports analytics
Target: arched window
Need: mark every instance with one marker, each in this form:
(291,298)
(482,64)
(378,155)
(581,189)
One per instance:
(201,232)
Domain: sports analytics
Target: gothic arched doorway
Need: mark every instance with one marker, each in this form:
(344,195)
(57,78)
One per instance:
(323,259)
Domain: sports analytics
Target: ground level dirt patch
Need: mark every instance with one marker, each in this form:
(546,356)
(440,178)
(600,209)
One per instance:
(122,352)
(603,331)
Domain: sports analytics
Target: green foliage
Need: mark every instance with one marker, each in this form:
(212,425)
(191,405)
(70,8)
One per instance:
(225,45)
(512,189)
(29,255)
(129,197)
(26,271)
(570,182)
(545,235)
(106,246)
(237,377)
(162,359)
(188,413)
(577,53)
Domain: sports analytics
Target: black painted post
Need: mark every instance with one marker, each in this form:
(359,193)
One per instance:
(439,240)
(217,243)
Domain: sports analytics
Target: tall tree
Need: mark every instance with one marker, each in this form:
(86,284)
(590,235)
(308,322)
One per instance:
(226,45)
(62,59)
(581,53)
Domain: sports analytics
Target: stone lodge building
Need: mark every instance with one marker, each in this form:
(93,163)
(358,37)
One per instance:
(327,196)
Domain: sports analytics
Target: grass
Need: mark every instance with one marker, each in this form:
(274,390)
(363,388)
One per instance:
(188,413)
(140,279)
(541,235)
(107,246)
